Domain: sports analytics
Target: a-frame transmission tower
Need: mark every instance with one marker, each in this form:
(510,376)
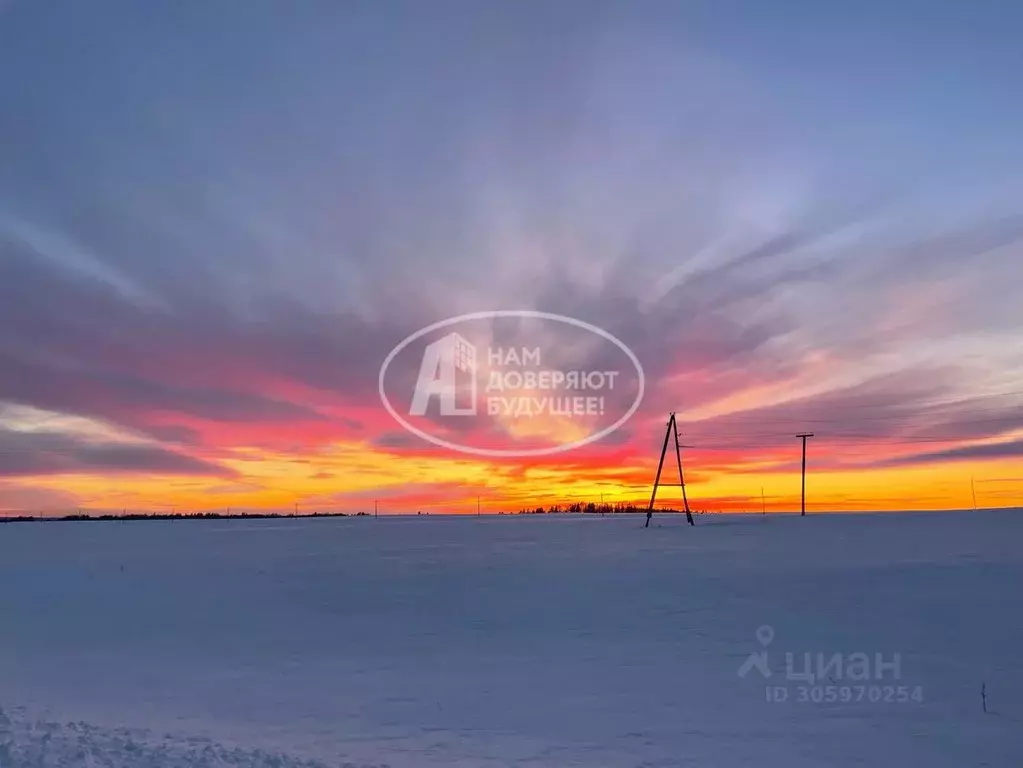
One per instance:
(671,430)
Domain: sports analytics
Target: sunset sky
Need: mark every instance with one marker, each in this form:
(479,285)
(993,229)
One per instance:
(217,220)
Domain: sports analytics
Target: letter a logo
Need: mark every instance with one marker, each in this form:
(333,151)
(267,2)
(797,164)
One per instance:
(443,360)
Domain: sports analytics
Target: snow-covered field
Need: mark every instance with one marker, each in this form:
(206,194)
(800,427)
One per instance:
(479,642)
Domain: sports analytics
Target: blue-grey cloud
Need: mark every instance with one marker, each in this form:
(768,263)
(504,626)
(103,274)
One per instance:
(1004,450)
(42,453)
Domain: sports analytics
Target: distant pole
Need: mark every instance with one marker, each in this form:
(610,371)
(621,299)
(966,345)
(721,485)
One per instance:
(477,506)
(376,509)
(804,435)
(973,490)
(763,501)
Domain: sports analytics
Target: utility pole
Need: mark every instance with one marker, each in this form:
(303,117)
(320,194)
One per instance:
(672,428)
(657,477)
(804,435)
(973,490)
(763,501)
(477,506)
(681,478)
(660,464)
(376,509)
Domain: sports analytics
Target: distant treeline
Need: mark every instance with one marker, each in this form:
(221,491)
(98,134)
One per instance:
(574,508)
(175,516)
(593,508)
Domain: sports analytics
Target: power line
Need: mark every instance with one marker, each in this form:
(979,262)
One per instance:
(739,420)
(795,406)
(858,442)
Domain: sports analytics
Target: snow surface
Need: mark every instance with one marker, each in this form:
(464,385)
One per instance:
(507,641)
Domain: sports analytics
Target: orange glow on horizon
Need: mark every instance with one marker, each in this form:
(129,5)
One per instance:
(358,475)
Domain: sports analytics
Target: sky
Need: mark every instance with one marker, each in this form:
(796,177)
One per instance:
(218,219)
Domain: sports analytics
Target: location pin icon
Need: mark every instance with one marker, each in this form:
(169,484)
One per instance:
(765,634)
